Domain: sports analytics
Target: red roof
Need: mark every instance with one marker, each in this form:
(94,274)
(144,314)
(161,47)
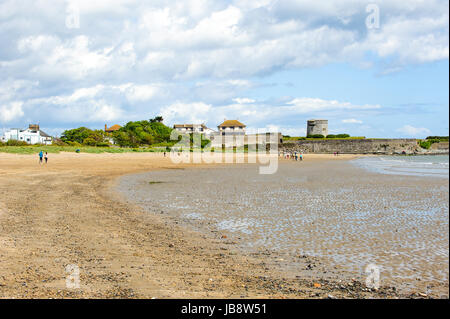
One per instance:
(113,128)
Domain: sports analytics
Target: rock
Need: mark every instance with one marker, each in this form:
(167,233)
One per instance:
(171,245)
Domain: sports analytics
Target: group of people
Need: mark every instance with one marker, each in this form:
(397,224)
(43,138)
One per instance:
(296,156)
(43,156)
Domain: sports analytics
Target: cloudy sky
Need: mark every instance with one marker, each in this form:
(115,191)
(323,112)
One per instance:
(372,68)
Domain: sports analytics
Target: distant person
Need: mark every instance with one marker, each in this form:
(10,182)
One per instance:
(46,157)
(41,155)
(164,154)
(301,157)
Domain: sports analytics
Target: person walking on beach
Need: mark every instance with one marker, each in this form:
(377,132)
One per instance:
(41,155)
(46,157)
(301,157)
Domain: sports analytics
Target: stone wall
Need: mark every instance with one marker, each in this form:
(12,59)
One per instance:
(241,140)
(353,146)
(441,146)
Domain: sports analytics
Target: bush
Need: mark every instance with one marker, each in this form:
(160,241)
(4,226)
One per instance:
(82,134)
(138,133)
(434,140)
(338,136)
(16,143)
(430,140)
(76,144)
(102,144)
(316,136)
(89,141)
(439,138)
(425,144)
(58,142)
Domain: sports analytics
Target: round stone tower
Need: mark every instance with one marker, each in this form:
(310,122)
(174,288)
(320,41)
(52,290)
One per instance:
(317,127)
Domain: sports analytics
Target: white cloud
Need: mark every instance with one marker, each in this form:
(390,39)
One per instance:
(139,93)
(352,121)
(196,112)
(129,58)
(243,100)
(11,111)
(414,131)
(289,117)
(191,39)
(308,105)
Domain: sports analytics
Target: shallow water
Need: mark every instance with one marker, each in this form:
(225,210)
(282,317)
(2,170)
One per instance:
(339,213)
(420,165)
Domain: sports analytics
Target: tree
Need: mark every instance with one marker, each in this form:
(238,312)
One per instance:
(138,133)
(158,119)
(83,135)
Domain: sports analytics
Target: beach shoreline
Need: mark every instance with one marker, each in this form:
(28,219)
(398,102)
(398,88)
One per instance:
(67,213)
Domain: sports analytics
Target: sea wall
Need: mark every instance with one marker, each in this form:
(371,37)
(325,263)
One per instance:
(441,146)
(353,146)
(241,140)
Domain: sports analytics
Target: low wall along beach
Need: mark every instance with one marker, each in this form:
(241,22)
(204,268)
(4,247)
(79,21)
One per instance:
(353,146)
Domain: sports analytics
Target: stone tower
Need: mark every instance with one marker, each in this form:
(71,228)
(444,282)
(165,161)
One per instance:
(317,127)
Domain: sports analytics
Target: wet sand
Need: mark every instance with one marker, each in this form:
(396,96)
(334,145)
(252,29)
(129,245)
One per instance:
(67,213)
(342,216)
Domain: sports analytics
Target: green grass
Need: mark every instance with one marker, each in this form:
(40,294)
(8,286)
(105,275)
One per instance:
(34,149)
(302,138)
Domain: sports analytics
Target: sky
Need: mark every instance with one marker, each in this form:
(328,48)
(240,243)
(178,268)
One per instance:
(372,68)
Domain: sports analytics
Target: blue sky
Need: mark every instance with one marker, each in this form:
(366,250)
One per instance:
(272,64)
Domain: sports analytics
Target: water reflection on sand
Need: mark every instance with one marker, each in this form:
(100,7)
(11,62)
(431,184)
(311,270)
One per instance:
(334,211)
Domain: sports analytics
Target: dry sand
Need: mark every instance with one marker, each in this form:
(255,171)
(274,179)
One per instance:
(65,213)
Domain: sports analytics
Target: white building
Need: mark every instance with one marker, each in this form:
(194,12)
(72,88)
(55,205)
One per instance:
(231,127)
(193,128)
(231,133)
(31,135)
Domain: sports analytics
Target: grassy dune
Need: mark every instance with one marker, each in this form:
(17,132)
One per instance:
(33,149)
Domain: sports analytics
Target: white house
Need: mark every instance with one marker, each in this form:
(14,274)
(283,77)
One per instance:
(231,127)
(193,128)
(31,135)
(231,133)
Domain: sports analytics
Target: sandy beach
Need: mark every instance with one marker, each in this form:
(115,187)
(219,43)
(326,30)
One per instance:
(69,213)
